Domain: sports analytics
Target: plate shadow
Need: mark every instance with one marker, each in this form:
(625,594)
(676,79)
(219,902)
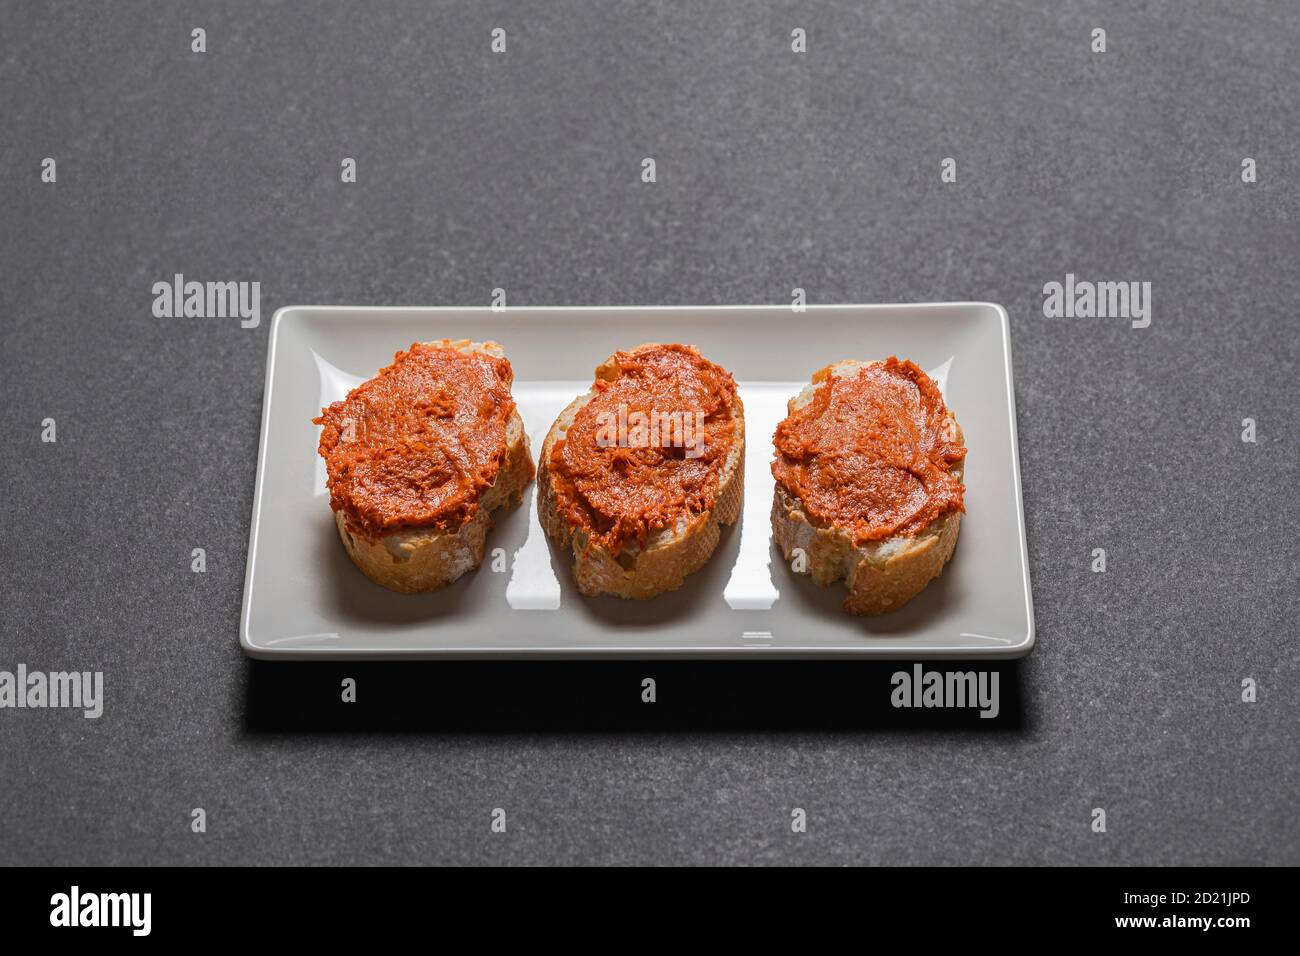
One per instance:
(531,697)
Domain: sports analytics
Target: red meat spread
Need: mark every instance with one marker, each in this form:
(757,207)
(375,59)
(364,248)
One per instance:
(620,483)
(872,452)
(418,444)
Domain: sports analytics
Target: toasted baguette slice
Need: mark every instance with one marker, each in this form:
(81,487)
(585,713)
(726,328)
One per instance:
(670,553)
(415,559)
(881,575)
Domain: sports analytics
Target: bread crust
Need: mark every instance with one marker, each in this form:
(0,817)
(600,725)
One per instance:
(881,576)
(417,559)
(669,554)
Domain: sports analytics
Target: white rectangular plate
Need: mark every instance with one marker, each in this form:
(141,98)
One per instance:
(304,599)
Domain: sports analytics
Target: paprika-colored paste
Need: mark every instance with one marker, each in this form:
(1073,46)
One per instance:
(418,444)
(619,492)
(872,452)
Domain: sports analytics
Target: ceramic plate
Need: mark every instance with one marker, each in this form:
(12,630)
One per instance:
(304,599)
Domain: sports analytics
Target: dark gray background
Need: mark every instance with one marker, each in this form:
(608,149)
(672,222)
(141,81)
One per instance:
(775,170)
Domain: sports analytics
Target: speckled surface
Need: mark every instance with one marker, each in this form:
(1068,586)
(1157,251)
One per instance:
(775,170)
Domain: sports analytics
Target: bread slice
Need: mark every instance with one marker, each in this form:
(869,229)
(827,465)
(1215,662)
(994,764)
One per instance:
(670,553)
(881,575)
(415,559)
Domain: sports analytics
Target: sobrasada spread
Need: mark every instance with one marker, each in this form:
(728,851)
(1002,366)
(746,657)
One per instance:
(872,452)
(418,444)
(619,491)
